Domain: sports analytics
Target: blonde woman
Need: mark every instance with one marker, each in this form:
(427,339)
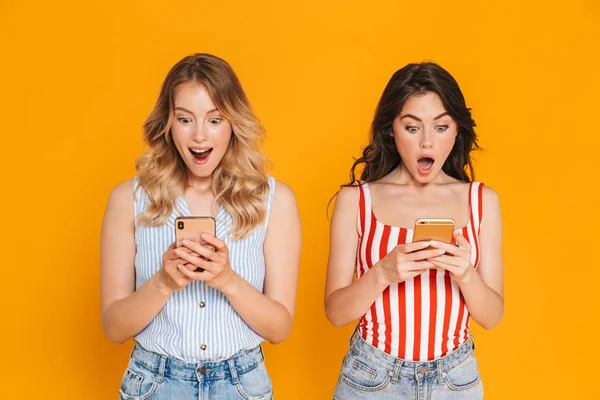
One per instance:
(198,334)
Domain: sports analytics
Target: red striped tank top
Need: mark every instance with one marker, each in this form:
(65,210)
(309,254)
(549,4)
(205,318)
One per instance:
(423,318)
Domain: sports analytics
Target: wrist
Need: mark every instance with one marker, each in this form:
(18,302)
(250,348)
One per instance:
(233,284)
(468,277)
(380,275)
(160,284)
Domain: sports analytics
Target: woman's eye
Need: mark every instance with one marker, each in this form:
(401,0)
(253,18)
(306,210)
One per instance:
(184,120)
(441,128)
(411,128)
(215,121)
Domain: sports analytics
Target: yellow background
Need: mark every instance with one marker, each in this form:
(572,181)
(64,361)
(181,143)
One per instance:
(78,79)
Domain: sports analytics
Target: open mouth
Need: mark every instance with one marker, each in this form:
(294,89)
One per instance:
(425,163)
(200,155)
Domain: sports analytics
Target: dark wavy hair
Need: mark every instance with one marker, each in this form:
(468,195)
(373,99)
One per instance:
(381,156)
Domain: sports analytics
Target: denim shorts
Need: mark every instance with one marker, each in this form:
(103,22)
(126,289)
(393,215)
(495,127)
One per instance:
(156,377)
(369,373)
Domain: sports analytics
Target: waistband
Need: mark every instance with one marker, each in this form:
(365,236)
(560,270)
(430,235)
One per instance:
(417,369)
(164,366)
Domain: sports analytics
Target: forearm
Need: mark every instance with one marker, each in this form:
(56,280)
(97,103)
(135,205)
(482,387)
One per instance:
(267,317)
(484,304)
(125,318)
(351,302)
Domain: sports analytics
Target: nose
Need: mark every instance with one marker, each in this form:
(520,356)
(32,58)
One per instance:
(200,133)
(426,141)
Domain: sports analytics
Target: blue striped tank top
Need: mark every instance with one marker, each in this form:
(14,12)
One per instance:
(198,323)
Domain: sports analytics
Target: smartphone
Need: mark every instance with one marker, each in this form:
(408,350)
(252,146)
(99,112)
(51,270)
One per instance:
(439,229)
(191,228)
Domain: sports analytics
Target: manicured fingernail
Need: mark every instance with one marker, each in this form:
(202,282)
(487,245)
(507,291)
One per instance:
(179,267)
(186,242)
(179,252)
(433,243)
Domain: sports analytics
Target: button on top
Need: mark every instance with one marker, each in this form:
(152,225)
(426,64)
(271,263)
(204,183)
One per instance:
(202,347)
(424,369)
(202,304)
(203,370)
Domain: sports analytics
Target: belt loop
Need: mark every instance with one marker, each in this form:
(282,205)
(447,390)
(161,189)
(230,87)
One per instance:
(262,353)
(234,376)
(440,372)
(132,350)
(396,371)
(161,369)
(472,342)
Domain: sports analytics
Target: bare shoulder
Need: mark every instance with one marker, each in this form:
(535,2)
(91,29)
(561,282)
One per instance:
(490,196)
(283,192)
(119,215)
(348,196)
(284,213)
(123,192)
(491,207)
(120,201)
(346,205)
(283,196)
(284,202)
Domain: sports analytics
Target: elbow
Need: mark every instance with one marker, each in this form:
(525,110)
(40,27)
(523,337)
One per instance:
(333,320)
(491,323)
(118,341)
(277,340)
(111,333)
(488,326)
(337,324)
(333,317)
(280,336)
(114,336)
(282,333)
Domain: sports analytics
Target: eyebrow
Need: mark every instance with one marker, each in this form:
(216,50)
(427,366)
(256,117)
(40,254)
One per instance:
(420,120)
(188,111)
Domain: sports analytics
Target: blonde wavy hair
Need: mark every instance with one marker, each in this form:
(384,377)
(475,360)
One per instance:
(239,182)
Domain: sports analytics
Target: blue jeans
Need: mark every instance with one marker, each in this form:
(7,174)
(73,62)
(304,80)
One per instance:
(155,377)
(369,373)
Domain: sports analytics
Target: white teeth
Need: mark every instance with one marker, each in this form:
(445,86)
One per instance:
(199,151)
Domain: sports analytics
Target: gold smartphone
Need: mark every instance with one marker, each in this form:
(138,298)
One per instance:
(191,228)
(440,229)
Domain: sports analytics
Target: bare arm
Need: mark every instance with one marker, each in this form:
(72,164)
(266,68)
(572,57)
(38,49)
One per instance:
(484,294)
(270,314)
(346,300)
(482,289)
(125,312)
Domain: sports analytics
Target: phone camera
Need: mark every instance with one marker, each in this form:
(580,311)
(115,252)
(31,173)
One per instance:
(179,224)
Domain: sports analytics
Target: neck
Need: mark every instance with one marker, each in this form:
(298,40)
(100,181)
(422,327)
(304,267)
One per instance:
(199,184)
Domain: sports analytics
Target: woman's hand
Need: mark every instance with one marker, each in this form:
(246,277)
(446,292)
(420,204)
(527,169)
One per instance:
(214,260)
(406,261)
(172,279)
(456,260)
